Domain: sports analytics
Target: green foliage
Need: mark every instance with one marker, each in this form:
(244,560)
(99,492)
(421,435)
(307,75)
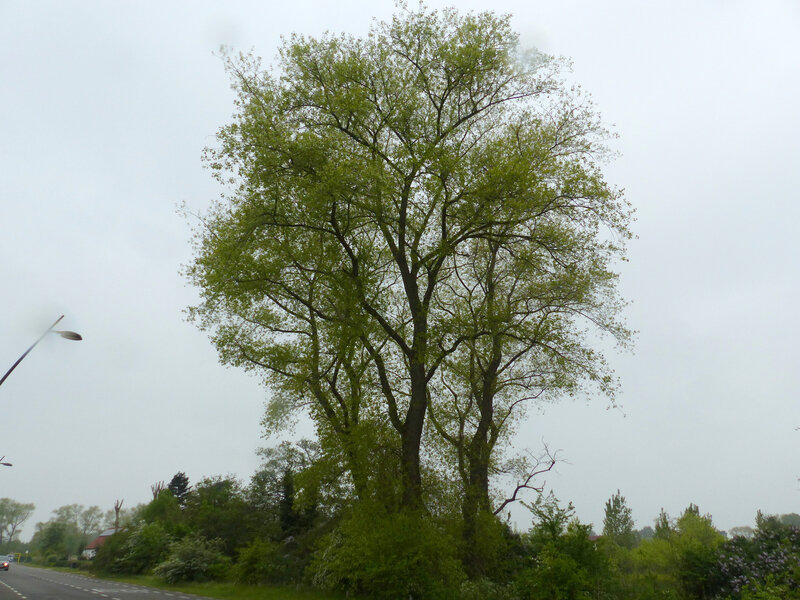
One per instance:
(376,184)
(179,486)
(300,459)
(147,545)
(165,510)
(655,570)
(68,531)
(193,558)
(264,561)
(107,560)
(295,479)
(51,538)
(550,520)
(770,590)
(216,509)
(69,513)
(499,550)
(563,564)
(418,235)
(59,538)
(387,556)
(12,515)
(663,526)
(679,561)
(287,515)
(91,520)
(372,551)
(618,522)
(134,550)
(697,543)
(485,589)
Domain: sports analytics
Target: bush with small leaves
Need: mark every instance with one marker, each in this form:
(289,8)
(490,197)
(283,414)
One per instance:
(109,557)
(146,547)
(264,561)
(485,589)
(563,563)
(193,559)
(385,556)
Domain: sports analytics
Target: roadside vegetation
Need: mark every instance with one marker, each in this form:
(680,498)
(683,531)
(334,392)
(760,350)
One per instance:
(223,539)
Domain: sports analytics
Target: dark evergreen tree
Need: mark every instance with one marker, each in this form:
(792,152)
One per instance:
(288,515)
(179,486)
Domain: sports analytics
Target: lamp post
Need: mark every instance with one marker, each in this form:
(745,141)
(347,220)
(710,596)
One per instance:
(69,335)
(5,464)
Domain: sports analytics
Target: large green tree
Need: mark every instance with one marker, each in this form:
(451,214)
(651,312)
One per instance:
(417,210)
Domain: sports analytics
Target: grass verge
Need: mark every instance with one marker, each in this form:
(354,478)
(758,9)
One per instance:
(231,591)
(223,591)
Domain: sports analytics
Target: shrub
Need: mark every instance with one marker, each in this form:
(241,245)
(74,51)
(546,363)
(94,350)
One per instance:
(147,546)
(263,561)
(389,555)
(494,552)
(485,589)
(109,555)
(769,590)
(193,559)
(133,551)
(563,562)
(164,509)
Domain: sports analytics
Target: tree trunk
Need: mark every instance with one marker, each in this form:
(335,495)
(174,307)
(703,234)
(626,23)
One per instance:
(411,438)
(476,498)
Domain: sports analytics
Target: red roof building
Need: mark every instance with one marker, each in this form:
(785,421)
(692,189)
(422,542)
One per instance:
(91,547)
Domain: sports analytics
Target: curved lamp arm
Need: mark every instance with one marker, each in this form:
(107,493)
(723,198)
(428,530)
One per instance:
(69,335)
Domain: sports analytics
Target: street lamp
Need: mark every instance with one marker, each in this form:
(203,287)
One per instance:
(5,464)
(69,335)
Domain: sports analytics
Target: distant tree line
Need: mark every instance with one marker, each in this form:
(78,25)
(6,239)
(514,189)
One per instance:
(65,535)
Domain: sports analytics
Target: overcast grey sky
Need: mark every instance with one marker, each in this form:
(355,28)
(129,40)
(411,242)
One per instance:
(105,108)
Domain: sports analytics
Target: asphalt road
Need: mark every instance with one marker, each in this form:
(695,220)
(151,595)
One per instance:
(21,582)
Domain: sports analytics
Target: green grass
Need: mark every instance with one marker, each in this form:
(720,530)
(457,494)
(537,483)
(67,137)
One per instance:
(224,591)
(231,591)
